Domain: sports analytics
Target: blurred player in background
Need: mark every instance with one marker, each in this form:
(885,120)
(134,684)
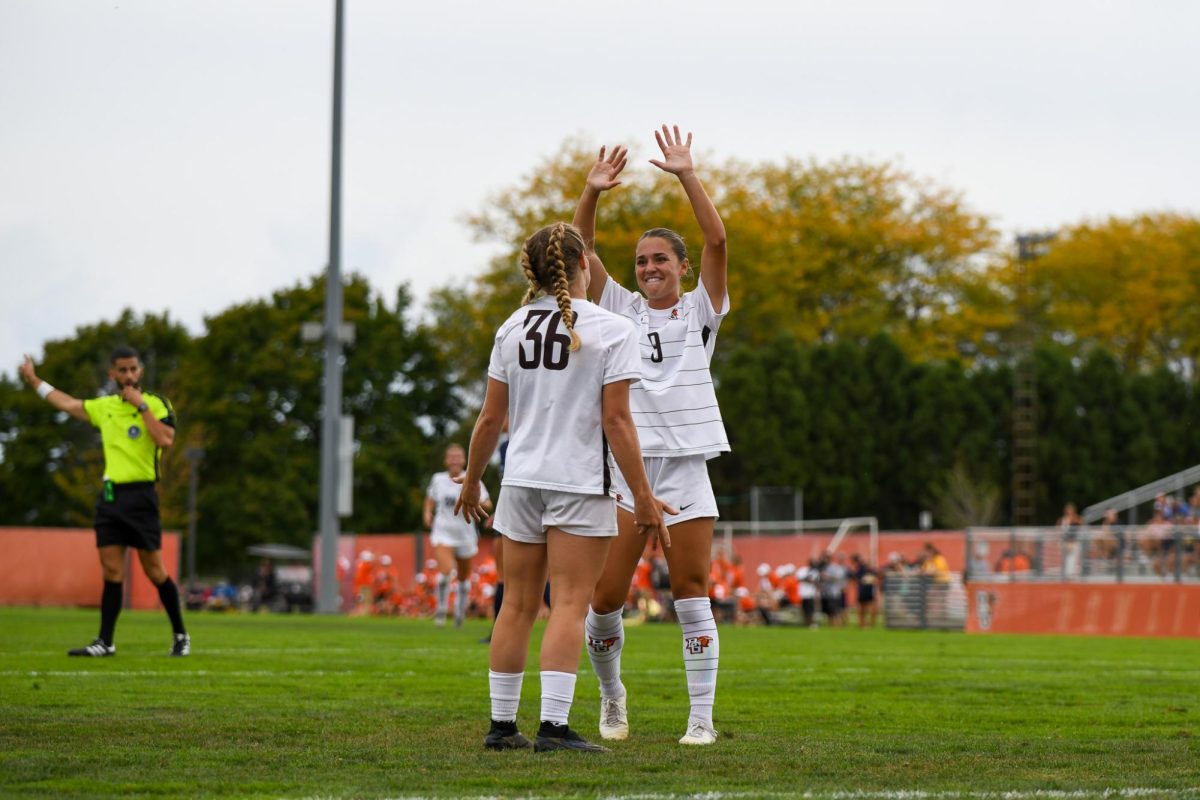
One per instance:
(134,428)
(455,540)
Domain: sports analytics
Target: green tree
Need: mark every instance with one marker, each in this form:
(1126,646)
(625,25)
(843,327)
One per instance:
(254,393)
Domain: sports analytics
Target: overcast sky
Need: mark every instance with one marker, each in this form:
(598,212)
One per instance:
(173,155)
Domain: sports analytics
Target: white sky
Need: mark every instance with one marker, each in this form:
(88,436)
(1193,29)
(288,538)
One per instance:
(174,154)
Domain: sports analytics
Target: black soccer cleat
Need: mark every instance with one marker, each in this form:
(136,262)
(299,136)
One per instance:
(97,649)
(182,645)
(505,736)
(560,737)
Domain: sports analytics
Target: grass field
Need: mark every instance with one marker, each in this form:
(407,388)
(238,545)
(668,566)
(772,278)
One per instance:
(305,707)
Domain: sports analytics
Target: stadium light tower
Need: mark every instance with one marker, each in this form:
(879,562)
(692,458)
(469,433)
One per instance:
(332,335)
(1024,414)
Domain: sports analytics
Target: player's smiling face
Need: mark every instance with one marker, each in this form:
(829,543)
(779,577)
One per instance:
(125,372)
(658,269)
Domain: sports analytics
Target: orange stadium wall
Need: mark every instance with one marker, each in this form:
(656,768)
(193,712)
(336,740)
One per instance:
(59,567)
(1121,609)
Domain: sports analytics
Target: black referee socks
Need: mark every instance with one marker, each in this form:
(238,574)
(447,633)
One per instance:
(168,594)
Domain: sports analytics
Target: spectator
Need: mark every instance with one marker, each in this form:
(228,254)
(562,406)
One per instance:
(934,564)
(833,582)
(865,578)
(810,579)
(264,585)
(1068,525)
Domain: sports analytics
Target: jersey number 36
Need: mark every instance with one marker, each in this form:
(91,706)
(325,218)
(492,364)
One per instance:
(544,345)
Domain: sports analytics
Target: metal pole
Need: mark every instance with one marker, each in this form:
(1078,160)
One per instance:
(328,603)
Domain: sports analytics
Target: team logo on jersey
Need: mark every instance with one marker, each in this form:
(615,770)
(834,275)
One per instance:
(697,644)
(134,431)
(674,313)
(602,645)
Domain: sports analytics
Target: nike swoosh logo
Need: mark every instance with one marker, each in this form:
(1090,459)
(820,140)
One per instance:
(685,508)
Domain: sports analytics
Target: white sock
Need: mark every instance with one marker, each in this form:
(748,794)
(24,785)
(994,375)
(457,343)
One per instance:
(558,690)
(443,591)
(505,688)
(460,602)
(605,640)
(701,653)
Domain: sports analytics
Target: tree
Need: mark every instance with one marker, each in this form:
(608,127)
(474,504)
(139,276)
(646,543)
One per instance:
(253,393)
(818,252)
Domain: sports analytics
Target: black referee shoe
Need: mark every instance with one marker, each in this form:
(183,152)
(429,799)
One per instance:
(560,737)
(182,645)
(504,736)
(97,649)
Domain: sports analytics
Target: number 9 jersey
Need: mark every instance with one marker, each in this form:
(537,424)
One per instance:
(556,440)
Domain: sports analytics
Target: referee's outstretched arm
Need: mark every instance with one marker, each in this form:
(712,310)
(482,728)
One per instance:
(55,397)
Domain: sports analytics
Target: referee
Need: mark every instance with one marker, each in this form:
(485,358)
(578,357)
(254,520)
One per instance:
(134,426)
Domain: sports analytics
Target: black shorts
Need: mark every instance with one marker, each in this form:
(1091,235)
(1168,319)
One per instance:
(130,518)
(831,605)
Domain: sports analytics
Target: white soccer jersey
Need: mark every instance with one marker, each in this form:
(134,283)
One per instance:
(556,440)
(675,405)
(444,493)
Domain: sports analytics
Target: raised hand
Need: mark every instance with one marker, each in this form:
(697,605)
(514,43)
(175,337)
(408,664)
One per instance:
(677,154)
(27,372)
(603,175)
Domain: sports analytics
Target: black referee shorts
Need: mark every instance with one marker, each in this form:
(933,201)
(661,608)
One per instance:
(130,518)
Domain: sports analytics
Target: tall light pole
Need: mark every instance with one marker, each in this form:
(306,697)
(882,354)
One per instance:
(1024,414)
(327,602)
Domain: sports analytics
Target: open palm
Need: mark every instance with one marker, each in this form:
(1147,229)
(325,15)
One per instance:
(677,153)
(603,175)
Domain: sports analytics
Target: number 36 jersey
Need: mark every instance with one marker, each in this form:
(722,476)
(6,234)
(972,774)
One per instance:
(556,440)
(675,405)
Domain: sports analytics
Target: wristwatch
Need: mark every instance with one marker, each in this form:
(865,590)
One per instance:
(142,407)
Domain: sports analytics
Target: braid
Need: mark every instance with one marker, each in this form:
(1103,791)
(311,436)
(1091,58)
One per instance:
(558,271)
(527,267)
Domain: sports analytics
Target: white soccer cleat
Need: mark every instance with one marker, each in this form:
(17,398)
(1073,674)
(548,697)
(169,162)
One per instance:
(699,733)
(614,718)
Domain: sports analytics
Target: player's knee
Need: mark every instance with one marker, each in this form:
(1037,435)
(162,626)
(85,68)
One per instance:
(113,574)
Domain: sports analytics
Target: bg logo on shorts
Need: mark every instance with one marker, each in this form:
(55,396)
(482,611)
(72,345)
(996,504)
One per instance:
(602,645)
(134,431)
(697,644)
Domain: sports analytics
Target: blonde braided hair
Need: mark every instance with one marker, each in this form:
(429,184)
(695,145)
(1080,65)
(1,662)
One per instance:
(558,275)
(550,259)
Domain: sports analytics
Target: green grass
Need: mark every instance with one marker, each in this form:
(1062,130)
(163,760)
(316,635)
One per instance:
(293,706)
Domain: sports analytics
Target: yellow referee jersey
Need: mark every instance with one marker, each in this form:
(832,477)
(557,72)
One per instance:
(130,454)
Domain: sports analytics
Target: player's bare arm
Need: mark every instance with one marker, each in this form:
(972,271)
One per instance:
(677,160)
(623,443)
(55,397)
(484,439)
(601,178)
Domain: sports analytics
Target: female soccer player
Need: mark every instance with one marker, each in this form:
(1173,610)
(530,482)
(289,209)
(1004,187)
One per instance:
(679,425)
(561,370)
(455,541)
